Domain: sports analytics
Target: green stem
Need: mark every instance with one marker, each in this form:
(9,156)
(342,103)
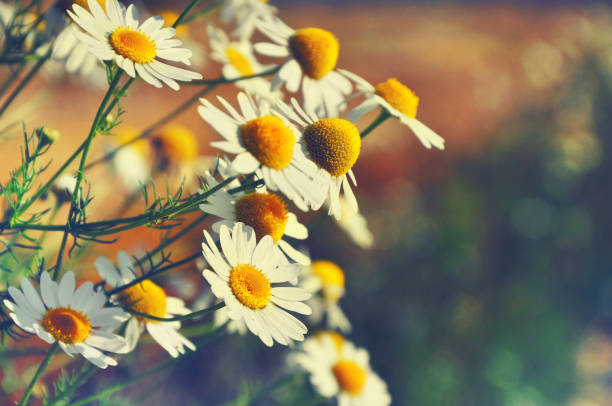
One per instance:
(223,80)
(66,395)
(185,12)
(38,374)
(191,315)
(202,12)
(248,399)
(377,121)
(25,81)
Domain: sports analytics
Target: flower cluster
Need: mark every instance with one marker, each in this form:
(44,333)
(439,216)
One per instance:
(283,151)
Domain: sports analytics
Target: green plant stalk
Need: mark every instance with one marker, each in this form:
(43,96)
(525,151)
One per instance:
(221,80)
(41,368)
(185,12)
(83,377)
(201,13)
(384,114)
(191,315)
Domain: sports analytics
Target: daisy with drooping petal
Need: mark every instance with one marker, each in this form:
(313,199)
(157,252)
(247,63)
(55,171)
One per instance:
(355,225)
(76,319)
(268,145)
(238,61)
(266,212)
(149,298)
(342,372)
(130,161)
(326,281)
(243,274)
(136,48)
(244,14)
(398,101)
(333,144)
(312,53)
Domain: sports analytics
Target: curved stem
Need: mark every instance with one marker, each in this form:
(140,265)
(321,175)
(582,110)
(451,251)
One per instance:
(377,121)
(38,374)
(223,80)
(191,315)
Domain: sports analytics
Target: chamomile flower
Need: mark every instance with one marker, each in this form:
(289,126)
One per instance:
(333,144)
(244,14)
(355,225)
(238,61)
(342,372)
(176,145)
(398,101)
(198,56)
(136,48)
(149,298)
(267,144)
(312,55)
(326,281)
(243,275)
(76,319)
(74,56)
(266,212)
(130,161)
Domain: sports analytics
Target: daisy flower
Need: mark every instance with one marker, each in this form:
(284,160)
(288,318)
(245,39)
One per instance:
(238,61)
(176,145)
(145,297)
(243,275)
(269,145)
(326,281)
(343,373)
(333,144)
(312,55)
(76,319)
(398,101)
(130,161)
(198,57)
(355,225)
(244,14)
(266,212)
(136,48)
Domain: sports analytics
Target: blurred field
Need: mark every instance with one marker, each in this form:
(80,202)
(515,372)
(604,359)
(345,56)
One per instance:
(490,282)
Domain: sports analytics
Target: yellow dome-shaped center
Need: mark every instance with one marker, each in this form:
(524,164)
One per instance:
(333,144)
(265,212)
(269,140)
(127,134)
(133,45)
(178,144)
(145,297)
(239,61)
(350,376)
(250,286)
(398,96)
(169,16)
(66,325)
(316,50)
(337,338)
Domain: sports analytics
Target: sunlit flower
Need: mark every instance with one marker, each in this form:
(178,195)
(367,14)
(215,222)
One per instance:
(269,145)
(397,100)
(130,161)
(355,225)
(266,212)
(312,55)
(244,14)
(343,373)
(76,319)
(149,298)
(326,281)
(333,144)
(238,61)
(136,48)
(243,276)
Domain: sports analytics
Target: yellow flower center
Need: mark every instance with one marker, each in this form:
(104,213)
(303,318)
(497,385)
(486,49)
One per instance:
(133,45)
(265,212)
(350,376)
(145,297)
(169,16)
(316,50)
(332,278)
(66,325)
(239,61)
(336,337)
(333,144)
(398,96)
(250,286)
(127,134)
(178,143)
(269,140)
